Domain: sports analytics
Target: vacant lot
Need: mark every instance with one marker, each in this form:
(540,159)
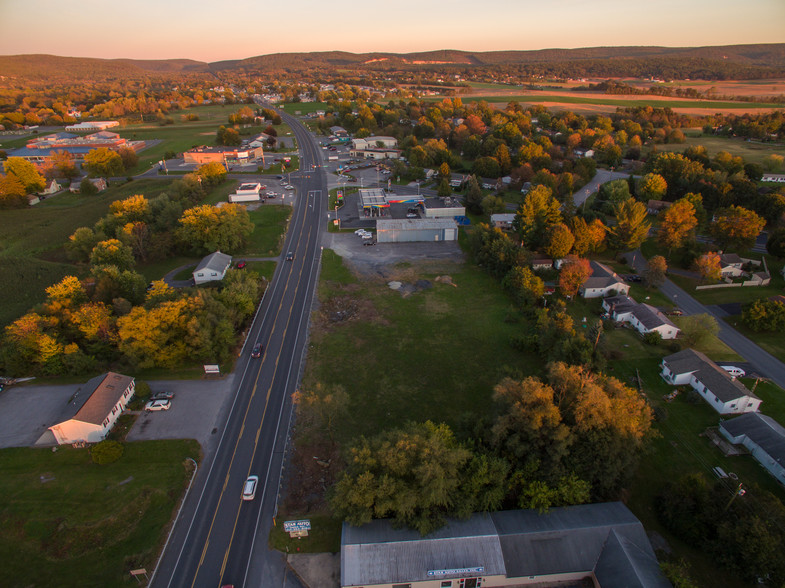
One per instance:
(751,151)
(69,522)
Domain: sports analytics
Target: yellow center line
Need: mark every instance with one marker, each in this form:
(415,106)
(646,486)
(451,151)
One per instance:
(245,417)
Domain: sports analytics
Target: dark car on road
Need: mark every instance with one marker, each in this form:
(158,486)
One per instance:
(289,256)
(258,349)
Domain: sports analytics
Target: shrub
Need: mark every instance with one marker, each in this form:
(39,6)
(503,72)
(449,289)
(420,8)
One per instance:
(653,338)
(106,452)
(142,390)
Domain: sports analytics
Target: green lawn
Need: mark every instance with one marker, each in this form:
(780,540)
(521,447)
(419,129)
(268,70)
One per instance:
(751,151)
(69,522)
(270,222)
(415,357)
(303,107)
(680,449)
(622,103)
(324,536)
(774,343)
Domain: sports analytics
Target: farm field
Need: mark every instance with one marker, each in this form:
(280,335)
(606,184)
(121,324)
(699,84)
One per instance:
(751,151)
(69,522)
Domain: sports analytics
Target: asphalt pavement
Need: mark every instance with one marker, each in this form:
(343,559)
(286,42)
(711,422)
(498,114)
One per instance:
(219,538)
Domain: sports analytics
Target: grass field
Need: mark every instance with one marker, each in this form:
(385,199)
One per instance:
(270,222)
(303,107)
(69,522)
(727,295)
(618,102)
(751,151)
(774,343)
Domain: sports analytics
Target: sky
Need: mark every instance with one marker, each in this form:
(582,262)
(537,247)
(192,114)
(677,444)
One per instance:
(212,30)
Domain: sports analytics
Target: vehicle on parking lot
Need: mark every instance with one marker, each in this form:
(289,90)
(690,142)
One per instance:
(734,371)
(366,236)
(258,349)
(289,187)
(165,395)
(155,405)
(240,265)
(412,215)
(271,194)
(368,243)
(249,488)
(360,231)
(290,256)
(675,312)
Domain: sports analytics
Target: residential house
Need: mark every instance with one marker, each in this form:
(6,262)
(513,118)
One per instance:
(640,316)
(53,187)
(758,279)
(657,206)
(773,178)
(581,152)
(724,393)
(730,265)
(93,410)
(762,436)
(601,545)
(212,268)
(503,221)
(603,282)
(99,183)
(542,263)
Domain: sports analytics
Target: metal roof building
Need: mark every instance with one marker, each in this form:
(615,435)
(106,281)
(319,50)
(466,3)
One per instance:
(602,542)
(410,230)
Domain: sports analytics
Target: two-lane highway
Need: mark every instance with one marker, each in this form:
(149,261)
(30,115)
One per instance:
(214,538)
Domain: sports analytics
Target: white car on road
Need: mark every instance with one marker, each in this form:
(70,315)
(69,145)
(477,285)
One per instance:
(249,488)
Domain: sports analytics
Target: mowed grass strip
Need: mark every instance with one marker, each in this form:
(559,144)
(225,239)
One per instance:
(270,222)
(69,522)
(435,354)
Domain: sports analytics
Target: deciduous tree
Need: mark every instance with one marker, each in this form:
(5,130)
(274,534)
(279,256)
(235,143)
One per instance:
(736,228)
(558,241)
(631,227)
(677,224)
(696,329)
(654,276)
(764,315)
(206,228)
(574,272)
(538,211)
(112,252)
(104,162)
(524,285)
(708,266)
(26,173)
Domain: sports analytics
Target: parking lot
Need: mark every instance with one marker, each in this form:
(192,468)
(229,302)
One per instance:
(27,411)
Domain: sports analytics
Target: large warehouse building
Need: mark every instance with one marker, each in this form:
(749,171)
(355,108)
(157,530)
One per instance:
(601,545)
(410,230)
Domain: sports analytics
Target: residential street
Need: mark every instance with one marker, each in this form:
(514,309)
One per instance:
(762,361)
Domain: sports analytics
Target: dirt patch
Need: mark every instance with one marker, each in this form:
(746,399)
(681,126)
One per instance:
(311,470)
(344,308)
(317,570)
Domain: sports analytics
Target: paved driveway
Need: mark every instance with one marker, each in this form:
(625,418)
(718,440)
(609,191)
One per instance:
(27,411)
(196,409)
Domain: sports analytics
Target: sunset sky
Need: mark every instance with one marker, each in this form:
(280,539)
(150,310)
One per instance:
(213,30)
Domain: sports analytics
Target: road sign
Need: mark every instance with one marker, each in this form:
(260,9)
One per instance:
(290,526)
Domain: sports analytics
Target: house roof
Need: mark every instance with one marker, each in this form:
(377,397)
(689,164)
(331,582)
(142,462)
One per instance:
(620,304)
(763,430)
(650,317)
(217,262)
(409,224)
(716,379)
(605,539)
(730,259)
(602,277)
(506,217)
(94,401)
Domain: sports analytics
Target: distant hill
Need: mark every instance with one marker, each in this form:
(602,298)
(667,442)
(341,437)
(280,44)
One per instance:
(763,60)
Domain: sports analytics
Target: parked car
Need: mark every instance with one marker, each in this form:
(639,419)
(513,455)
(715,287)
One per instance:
(166,395)
(289,187)
(271,194)
(155,405)
(675,312)
(411,215)
(360,231)
(249,488)
(734,371)
(366,236)
(368,243)
(633,278)
(240,265)
(258,349)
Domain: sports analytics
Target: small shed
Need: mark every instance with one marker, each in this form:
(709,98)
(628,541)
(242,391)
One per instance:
(212,268)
